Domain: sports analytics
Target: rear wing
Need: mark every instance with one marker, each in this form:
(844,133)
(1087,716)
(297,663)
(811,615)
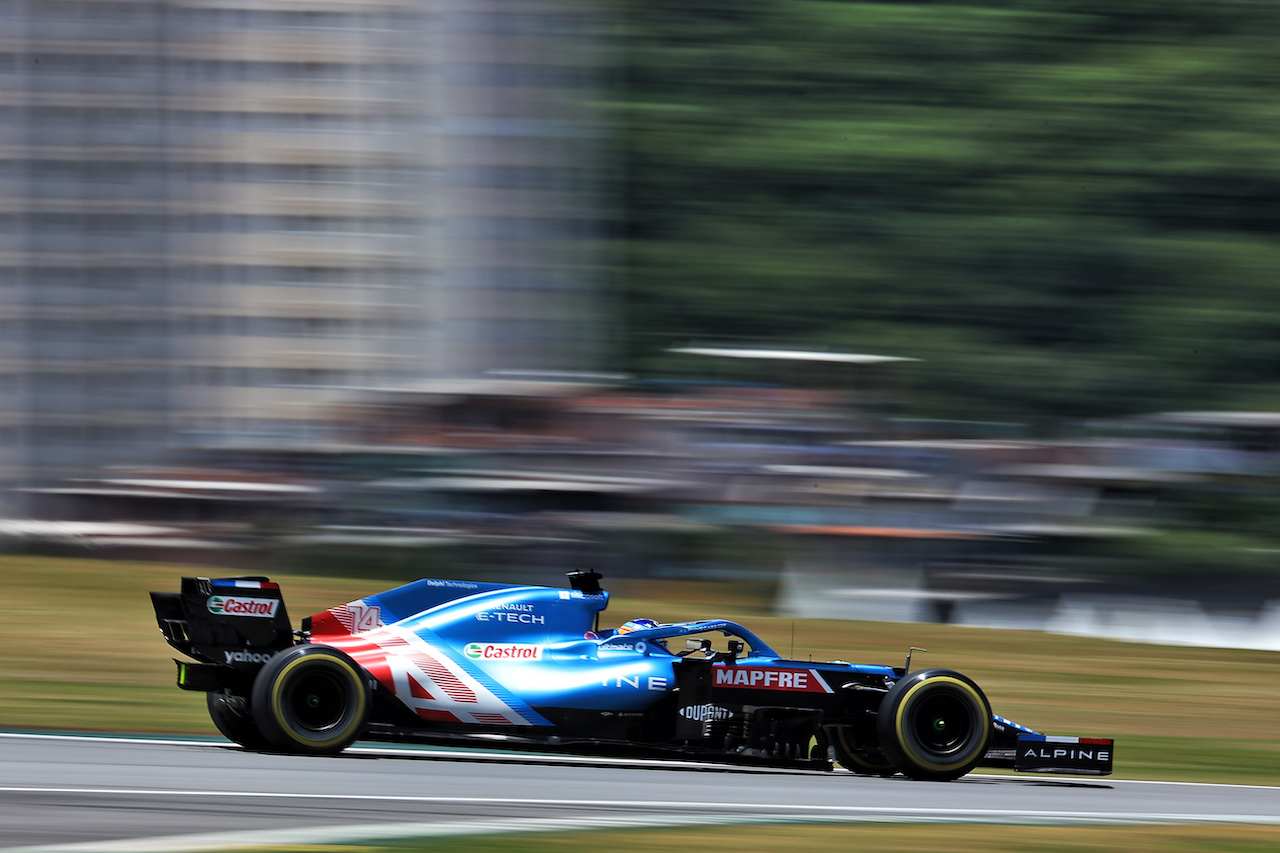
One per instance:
(238,622)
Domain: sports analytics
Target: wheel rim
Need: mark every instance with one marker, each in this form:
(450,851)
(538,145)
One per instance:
(943,724)
(318,701)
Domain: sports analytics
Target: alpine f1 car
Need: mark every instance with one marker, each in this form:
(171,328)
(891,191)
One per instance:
(528,666)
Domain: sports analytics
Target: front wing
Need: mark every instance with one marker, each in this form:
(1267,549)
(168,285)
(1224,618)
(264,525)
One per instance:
(1083,756)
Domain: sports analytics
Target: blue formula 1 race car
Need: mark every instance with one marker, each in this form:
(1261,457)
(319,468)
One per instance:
(528,667)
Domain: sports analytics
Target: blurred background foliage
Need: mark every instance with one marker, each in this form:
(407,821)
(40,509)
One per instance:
(1067,208)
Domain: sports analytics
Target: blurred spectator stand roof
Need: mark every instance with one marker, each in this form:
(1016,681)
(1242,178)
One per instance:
(791,355)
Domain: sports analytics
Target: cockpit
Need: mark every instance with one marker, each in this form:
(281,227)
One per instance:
(711,640)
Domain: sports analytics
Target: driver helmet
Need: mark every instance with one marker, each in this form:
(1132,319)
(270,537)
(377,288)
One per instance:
(637,625)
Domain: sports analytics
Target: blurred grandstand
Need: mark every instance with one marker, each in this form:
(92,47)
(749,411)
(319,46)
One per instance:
(847,516)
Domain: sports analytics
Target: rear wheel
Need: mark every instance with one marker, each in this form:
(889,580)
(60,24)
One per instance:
(231,715)
(934,724)
(854,756)
(310,699)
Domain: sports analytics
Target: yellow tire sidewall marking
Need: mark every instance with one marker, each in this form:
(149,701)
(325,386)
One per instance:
(905,702)
(277,710)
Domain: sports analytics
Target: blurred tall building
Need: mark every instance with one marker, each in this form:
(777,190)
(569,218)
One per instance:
(219,217)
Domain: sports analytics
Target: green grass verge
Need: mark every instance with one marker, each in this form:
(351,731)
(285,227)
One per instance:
(82,652)
(900,838)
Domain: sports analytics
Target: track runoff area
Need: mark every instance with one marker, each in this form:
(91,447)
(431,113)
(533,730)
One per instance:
(387,793)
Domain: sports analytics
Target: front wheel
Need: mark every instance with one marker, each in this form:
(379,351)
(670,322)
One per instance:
(934,724)
(310,699)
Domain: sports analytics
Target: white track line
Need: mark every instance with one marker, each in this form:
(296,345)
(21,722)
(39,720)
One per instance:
(340,835)
(777,810)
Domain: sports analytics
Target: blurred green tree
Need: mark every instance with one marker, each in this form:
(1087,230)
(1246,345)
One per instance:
(1067,208)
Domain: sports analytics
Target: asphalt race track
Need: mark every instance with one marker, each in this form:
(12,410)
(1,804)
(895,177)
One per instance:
(99,793)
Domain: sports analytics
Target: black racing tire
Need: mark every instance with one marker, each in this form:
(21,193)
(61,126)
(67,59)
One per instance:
(854,757)
(230,714)
(311,700)
(934,724)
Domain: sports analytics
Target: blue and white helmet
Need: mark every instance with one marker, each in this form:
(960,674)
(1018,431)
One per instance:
(637,625)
